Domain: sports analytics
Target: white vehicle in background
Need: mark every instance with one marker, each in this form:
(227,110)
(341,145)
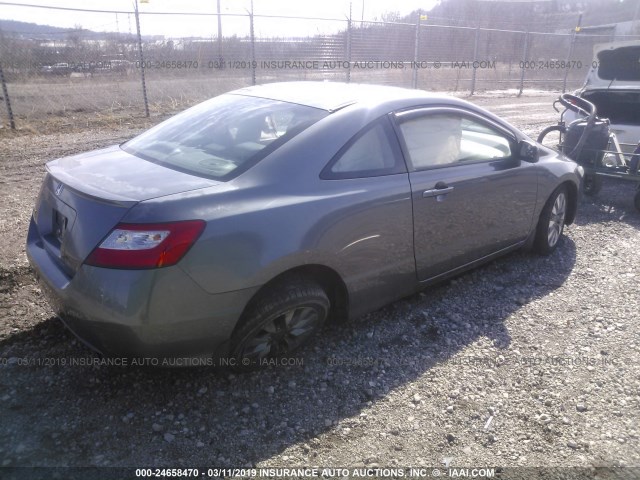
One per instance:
(613,86)
(600,124)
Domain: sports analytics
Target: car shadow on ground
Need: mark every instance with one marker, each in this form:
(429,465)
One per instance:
(96,415)
(614,203)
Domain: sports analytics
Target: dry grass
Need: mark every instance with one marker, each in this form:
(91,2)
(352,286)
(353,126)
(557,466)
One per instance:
(48,105)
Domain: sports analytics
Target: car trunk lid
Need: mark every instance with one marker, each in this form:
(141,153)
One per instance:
(613,86)
(84,196)
(615,65)
(115,175)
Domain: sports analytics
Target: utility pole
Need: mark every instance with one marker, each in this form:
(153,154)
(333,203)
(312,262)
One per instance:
(219,35)
(349,33)
(416,51)
(7,102)
(141,59)
(253,46)
(570,53)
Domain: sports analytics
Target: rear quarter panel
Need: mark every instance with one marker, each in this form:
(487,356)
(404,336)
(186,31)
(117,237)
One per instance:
(280,215)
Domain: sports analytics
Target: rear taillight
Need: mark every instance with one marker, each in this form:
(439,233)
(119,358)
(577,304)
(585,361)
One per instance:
(146,245)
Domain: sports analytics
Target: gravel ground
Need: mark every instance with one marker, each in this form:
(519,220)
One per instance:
(528,361)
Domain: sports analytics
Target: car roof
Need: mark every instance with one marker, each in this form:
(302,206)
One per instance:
(332,96)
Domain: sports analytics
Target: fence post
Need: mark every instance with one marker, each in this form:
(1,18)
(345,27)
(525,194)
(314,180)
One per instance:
(141,57)
(475,59)
(253,46)
(349,33)
(7,102)
(570,53)
(416,52)
(525,54)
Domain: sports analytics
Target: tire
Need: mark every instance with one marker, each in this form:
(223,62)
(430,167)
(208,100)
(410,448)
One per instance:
(551,223)
(278,322)
(636,200)
(553,128)
(592,184)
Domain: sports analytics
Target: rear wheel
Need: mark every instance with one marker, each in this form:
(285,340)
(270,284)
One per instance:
(279,321)
(551,223)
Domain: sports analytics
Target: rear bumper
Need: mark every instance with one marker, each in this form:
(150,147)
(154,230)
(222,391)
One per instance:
(158,313)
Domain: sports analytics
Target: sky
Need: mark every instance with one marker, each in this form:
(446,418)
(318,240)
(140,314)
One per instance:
(183,25)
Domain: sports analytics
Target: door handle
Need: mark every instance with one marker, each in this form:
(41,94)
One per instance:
(441,189)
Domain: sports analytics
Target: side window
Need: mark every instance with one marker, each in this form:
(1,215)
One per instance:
(479,142)
(447,138)
(370,154)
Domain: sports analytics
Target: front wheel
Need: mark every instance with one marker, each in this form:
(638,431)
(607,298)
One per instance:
(551,223)
(279,321)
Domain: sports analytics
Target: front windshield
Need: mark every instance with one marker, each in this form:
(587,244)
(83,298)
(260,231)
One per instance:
(222,137)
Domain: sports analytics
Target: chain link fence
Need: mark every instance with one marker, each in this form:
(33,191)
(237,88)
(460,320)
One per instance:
(76,73)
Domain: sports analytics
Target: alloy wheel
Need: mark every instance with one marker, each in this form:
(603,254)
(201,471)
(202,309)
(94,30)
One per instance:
(282,333)
(556,220)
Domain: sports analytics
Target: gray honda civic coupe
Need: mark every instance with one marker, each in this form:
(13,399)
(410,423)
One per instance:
(235,229)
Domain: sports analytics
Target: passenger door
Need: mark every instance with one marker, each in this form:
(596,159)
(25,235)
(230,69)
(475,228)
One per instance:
(371,222)
(471,194)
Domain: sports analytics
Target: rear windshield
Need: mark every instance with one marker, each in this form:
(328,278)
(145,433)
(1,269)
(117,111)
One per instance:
(621,64)
(222,137)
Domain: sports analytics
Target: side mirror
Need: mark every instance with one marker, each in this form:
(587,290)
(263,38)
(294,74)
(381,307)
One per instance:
(528,151)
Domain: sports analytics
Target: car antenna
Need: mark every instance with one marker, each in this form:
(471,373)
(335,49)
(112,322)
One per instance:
(610,83)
